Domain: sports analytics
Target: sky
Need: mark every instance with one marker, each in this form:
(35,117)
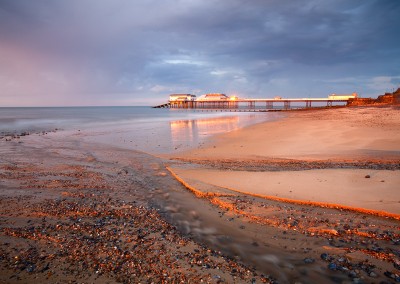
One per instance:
(137,52)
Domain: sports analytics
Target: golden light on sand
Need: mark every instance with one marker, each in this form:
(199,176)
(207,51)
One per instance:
(191,130)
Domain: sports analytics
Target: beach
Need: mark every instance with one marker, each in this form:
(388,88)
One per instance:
(311,197)
(74,212)
(329,169)
(341,133)
(332,151)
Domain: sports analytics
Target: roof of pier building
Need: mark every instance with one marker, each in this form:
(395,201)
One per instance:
(214,97)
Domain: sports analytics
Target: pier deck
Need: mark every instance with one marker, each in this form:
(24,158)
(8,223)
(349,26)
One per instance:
(250,104)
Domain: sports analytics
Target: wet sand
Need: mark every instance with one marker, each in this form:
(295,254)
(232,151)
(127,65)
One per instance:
(85,212)
(73,212)
(347,156)
(347,188)
(347,160)
(336,134)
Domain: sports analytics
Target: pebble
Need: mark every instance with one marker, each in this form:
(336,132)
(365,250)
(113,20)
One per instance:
(392,275)
(353,274)
(396,264)
(325,256)
(332,266)
(373,274)
(31,268)
(309,260)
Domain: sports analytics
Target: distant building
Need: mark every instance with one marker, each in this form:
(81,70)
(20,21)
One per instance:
(342,96)
(213,97)
(181,97)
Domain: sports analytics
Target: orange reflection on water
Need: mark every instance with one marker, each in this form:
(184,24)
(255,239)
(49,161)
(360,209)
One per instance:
(192,131)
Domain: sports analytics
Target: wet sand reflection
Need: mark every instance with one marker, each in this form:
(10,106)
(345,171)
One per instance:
(193,131)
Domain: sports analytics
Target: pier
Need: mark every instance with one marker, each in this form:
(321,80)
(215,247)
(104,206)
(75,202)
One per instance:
(236,104)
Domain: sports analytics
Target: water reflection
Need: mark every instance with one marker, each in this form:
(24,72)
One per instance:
(192,131)
(169,135)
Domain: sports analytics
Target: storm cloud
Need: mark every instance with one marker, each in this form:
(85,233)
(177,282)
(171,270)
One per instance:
(123,52)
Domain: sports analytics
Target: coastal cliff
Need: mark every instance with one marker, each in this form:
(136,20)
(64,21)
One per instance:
(386,99)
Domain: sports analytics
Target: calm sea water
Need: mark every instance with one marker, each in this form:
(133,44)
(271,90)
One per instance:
(140,128)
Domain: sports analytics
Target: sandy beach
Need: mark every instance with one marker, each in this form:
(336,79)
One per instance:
(346,160)
(340,134)
(339,187)
(194,142)
(310,198)
(354,154)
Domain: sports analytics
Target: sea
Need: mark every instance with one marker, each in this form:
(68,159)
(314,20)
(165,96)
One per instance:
(132,127)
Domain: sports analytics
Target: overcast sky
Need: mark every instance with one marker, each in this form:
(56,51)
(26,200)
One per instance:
(137,52)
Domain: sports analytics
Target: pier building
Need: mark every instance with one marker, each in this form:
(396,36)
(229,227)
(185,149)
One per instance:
(181,97)
(213,97)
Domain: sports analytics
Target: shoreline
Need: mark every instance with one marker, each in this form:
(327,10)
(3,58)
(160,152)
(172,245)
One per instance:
(67,188)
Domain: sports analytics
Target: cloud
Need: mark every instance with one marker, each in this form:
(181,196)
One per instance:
(106,50)
(388,83)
